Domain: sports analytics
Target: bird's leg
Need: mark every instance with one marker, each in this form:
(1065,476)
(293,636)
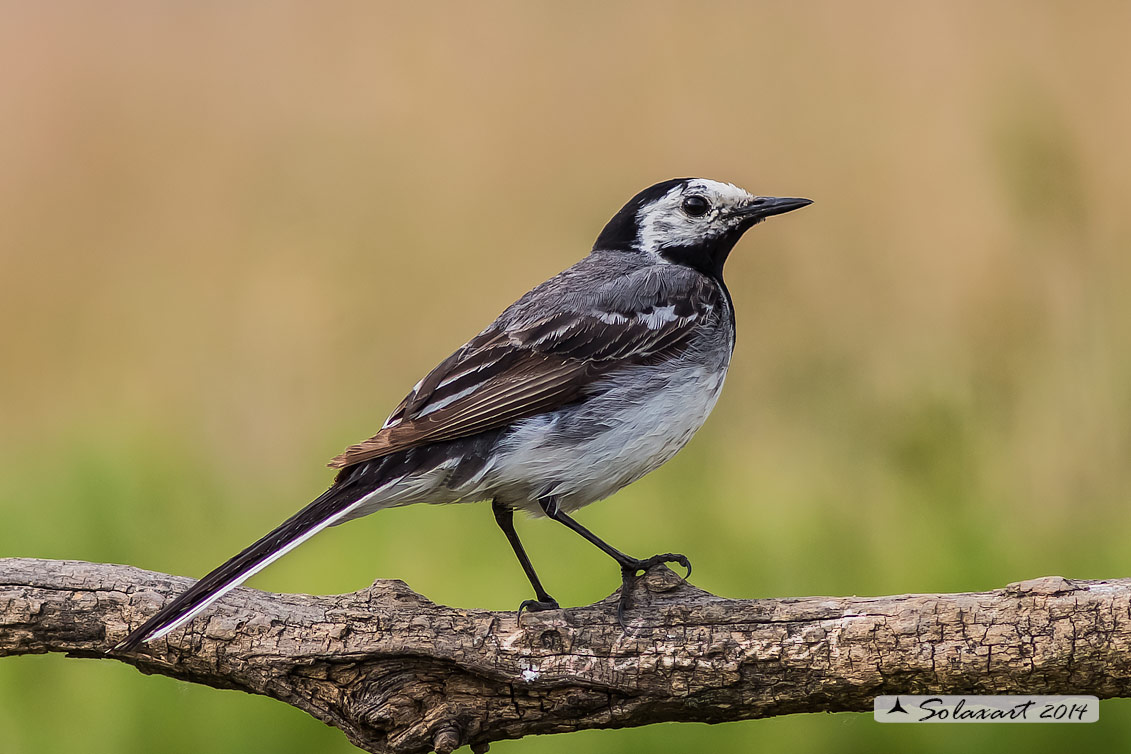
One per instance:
(629,566)
(504,517)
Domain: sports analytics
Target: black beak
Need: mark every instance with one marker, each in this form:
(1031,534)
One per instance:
(768,206)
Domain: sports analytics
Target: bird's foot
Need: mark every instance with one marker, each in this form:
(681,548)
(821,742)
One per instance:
(628,574)
(655,560)
(537,606)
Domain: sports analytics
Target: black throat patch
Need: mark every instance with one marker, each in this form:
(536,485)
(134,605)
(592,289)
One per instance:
(707,257)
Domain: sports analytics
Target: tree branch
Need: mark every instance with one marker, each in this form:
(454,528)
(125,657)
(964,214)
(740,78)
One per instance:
(398,673)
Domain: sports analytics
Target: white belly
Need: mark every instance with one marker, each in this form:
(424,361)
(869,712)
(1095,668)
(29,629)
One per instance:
(584,455)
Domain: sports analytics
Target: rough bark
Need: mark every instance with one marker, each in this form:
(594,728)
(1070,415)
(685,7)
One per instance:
(397,673)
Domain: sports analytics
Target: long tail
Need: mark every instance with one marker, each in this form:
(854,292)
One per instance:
(329,508)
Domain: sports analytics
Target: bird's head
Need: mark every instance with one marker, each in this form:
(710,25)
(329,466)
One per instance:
(690,221)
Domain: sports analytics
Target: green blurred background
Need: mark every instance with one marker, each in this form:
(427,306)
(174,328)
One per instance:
(232,236)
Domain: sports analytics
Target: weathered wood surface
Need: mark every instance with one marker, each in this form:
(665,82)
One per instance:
(397,673)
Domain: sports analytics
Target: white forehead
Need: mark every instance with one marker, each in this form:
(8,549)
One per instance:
(725,193)
(720,194)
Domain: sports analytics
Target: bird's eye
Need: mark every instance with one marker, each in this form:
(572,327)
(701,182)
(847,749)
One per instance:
(696,206)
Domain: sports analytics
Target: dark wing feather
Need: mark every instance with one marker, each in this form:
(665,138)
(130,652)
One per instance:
(504,375)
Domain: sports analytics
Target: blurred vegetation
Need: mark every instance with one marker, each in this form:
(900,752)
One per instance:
(233,236)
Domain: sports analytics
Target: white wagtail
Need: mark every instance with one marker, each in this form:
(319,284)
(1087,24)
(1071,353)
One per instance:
(582,386)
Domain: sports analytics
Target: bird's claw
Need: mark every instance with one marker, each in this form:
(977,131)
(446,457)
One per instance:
(655,560)
(628,579)
(538,606)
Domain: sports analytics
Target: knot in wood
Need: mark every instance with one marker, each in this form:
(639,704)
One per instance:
(446,739)
(1046,585)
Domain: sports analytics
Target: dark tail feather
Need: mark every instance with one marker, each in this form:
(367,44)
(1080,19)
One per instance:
(327,509)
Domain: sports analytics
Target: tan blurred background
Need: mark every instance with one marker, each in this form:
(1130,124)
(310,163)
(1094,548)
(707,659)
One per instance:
(232,236)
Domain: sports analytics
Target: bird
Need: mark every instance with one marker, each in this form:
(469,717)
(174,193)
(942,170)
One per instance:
(586,383)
